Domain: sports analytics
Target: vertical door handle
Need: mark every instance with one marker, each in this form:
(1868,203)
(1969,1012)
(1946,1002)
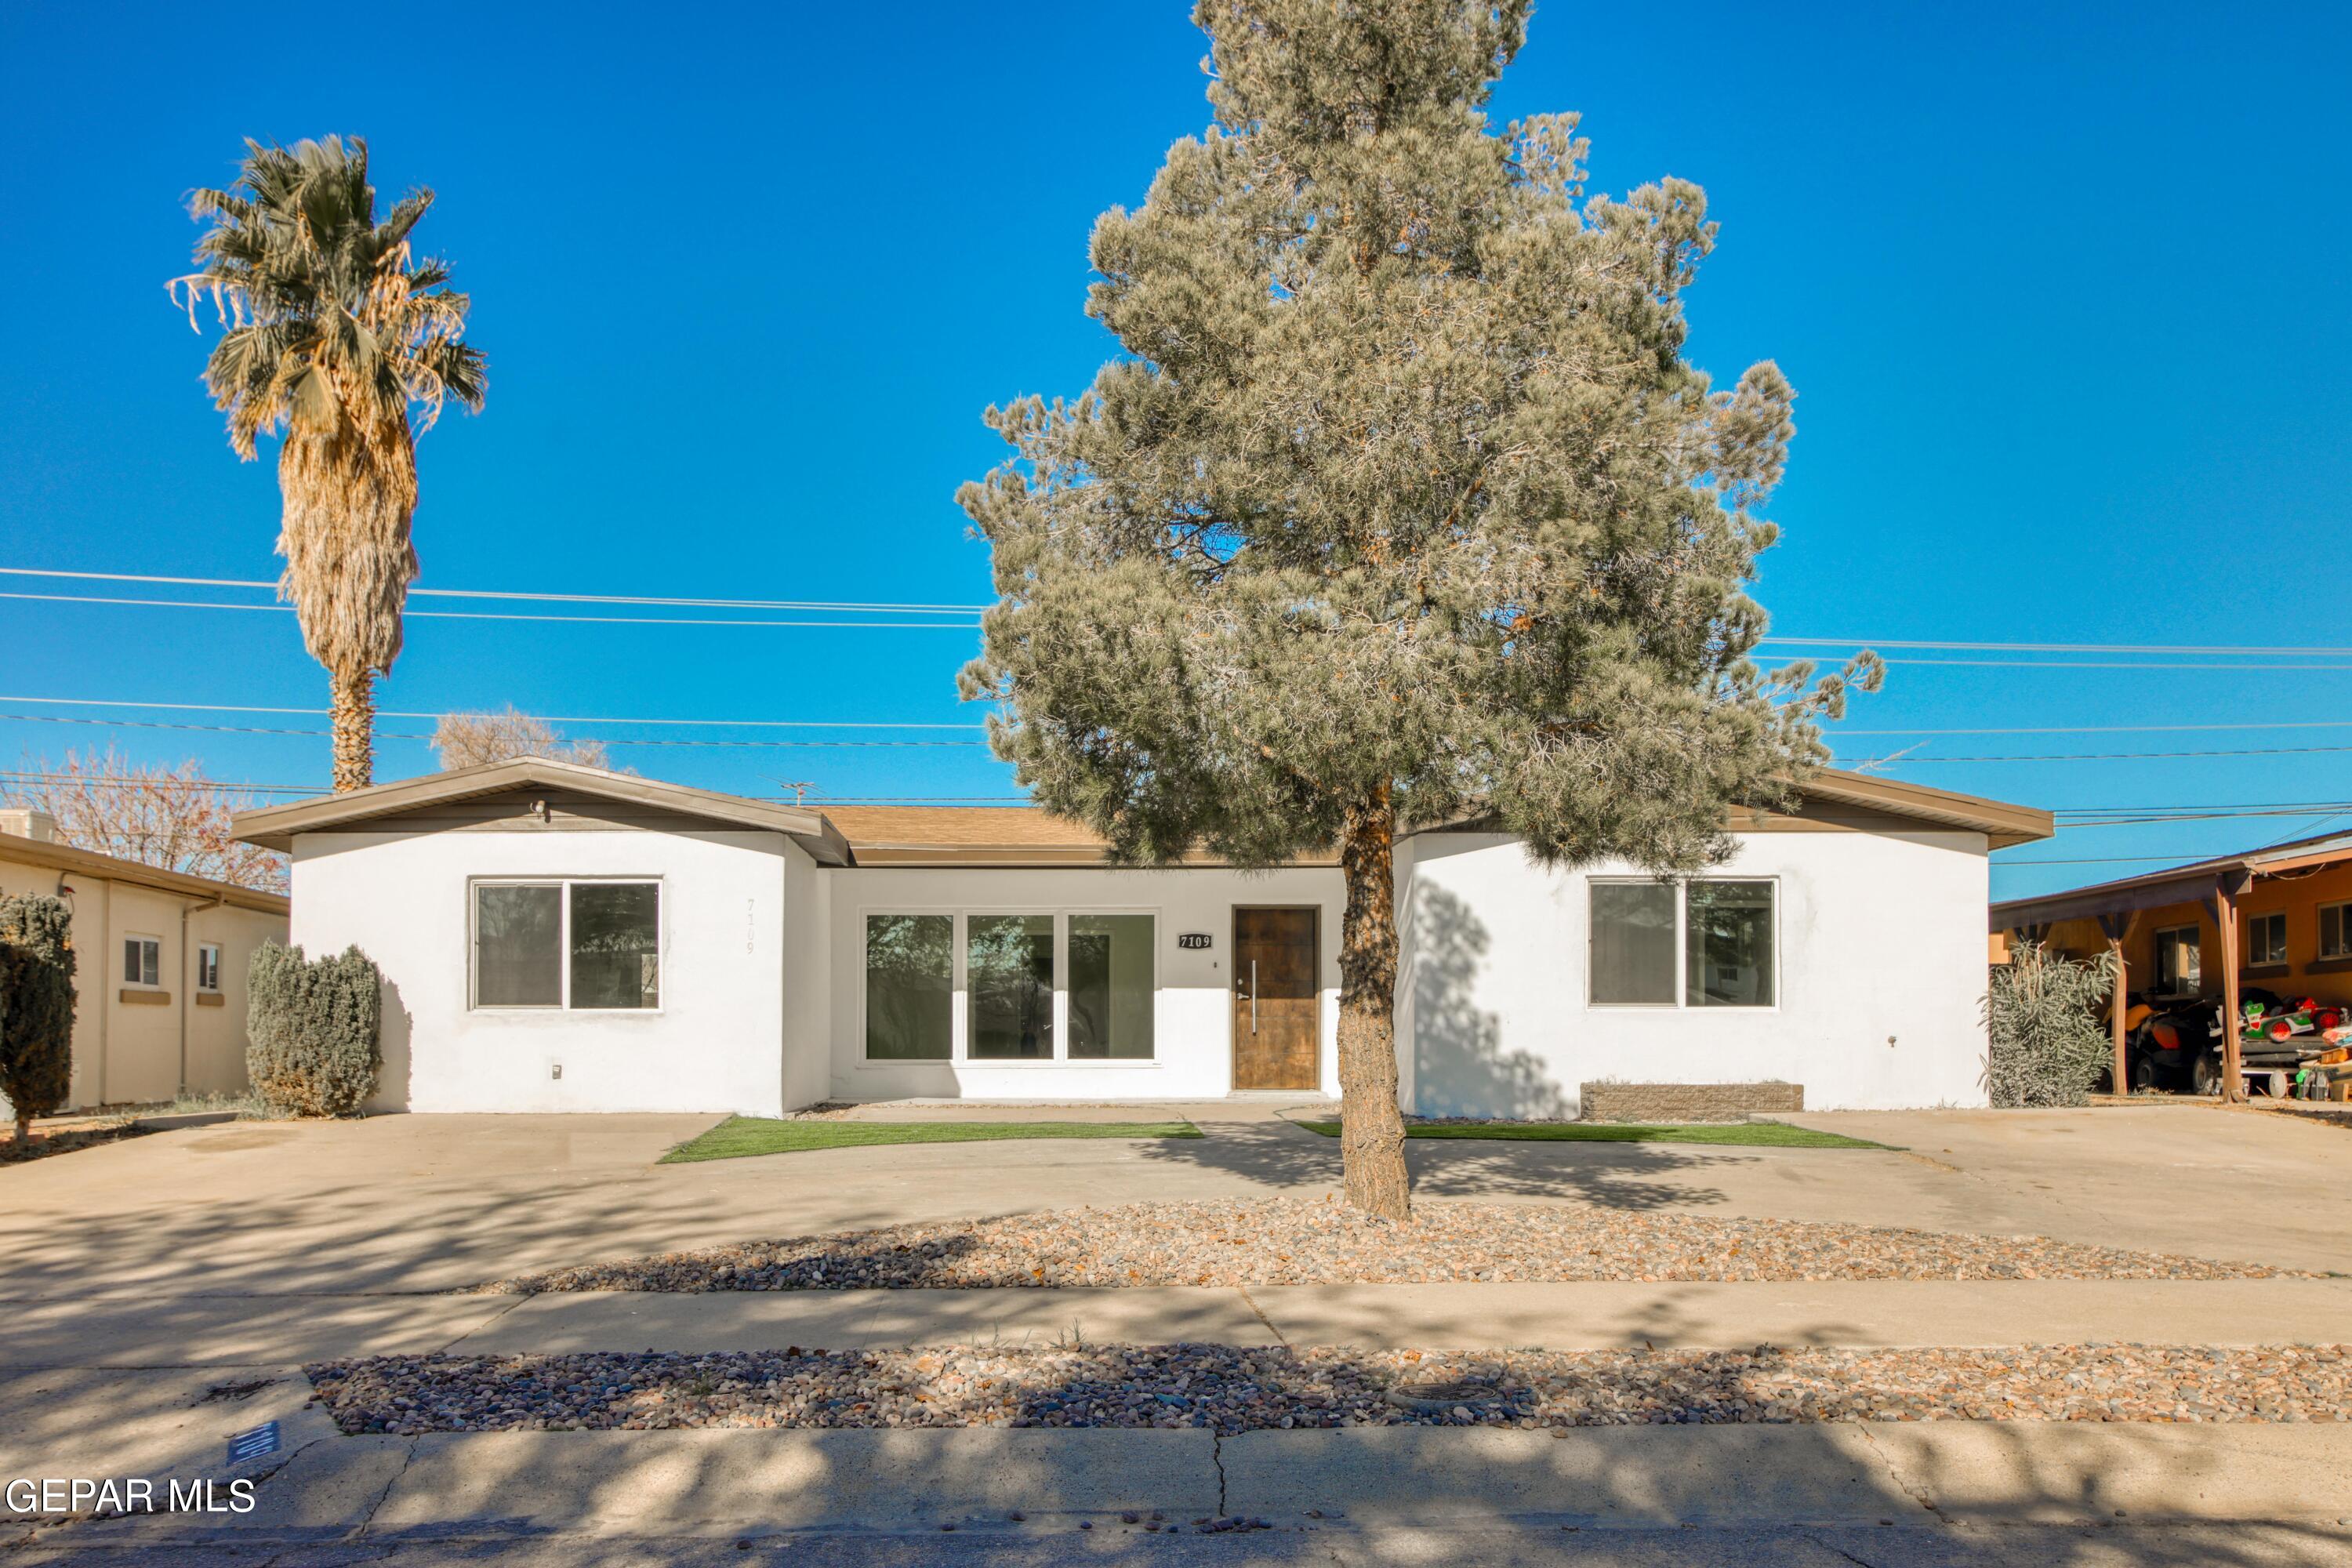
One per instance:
(1253,996)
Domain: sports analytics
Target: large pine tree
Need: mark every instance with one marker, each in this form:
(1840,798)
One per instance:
(1403,505)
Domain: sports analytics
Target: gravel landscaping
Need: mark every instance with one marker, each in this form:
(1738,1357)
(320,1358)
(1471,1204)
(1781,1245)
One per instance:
(1301,1241)
(1236,1390)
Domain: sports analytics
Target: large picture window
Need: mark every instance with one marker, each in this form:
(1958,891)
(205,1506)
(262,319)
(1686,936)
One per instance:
(1701,943)
(580,945)
(909,987)
(1011,988)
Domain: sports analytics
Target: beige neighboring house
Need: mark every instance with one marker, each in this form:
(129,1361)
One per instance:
(161,965)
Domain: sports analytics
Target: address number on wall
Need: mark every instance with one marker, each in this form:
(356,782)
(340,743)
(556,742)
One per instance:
(1192,939)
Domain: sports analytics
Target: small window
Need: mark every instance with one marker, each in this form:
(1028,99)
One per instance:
(1009,975)
(909,987)
(142,961)
(582,945)
(2266,940)
(2178,963)
(2335,930)
(208,966)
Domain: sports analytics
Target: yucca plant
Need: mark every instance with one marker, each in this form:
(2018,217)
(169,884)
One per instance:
(334,330)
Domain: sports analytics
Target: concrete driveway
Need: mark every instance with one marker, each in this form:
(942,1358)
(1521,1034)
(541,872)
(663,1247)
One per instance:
(431,1202)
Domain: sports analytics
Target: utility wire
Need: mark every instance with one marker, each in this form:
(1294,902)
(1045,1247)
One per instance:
(506,616)
(396,736)
(552,718)
(2338,651)
(845,608)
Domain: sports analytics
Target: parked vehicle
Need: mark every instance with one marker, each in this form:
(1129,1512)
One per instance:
(2176,1043)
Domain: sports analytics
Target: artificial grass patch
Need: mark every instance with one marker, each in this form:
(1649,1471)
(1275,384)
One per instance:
(1751,1135)
(740,1136)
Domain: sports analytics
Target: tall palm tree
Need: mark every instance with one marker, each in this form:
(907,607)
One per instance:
(334,329)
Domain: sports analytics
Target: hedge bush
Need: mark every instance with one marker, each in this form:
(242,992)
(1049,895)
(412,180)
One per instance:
(314,1030)
(37,1006)
(2045,1045)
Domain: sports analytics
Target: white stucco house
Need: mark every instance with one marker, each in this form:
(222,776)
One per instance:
(560,938)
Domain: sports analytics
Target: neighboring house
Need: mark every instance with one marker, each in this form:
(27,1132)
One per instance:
(160,965)
(560,938)
(2285,908)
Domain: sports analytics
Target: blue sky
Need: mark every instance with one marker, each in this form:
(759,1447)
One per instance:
(2061,289)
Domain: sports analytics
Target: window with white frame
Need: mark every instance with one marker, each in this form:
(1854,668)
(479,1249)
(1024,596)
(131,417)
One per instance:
(1024,986)
(208,966)
(142,961)
(2335,930)
(2266,940)
(1704,943)
(564,944)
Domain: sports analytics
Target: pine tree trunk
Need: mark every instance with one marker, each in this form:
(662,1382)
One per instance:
(354,727)
(24,1128)
(1371,1128)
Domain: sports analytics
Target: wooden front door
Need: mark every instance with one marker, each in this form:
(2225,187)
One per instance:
(1276,1000)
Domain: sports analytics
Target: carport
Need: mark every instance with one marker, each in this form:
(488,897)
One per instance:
(2297,896)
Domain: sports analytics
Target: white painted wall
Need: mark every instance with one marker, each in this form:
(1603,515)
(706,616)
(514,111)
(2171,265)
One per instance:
(1881,940)
(1191,1027)
(715,1044)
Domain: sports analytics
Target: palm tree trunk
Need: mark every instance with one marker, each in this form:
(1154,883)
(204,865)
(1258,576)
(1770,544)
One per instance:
(1371,1128)
(354,727)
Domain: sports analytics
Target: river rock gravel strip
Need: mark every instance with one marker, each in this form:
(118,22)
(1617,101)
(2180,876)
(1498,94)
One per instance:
(1234,1389)
(1303,1241)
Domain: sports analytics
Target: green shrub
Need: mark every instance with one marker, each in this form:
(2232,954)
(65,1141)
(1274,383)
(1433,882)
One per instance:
(2045,1042)
(37,1006)
(313,1030)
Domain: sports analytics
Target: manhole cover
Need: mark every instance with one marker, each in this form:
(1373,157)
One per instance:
(1446,1395)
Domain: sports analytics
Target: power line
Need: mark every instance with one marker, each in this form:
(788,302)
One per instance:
(397,735)
(2097,860)
(2336,651)
(2093,729)
(552,718)
(2103,756)
(2082,664)
(505,616)
(844,606)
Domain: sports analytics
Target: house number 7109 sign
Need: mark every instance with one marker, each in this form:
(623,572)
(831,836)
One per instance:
(1192,939)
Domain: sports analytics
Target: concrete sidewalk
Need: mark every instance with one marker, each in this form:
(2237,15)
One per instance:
(236,1331)
(768,1483)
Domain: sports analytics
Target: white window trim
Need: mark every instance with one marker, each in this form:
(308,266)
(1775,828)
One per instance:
(1681,1003)
(213,948)
(564,945)
(2342,929)
(132,982)
(960,989)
